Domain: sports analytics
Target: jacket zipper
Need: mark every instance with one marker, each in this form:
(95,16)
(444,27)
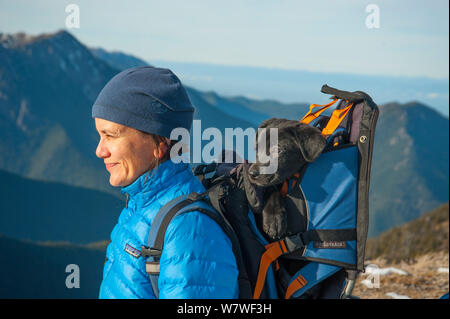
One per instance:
(127,197)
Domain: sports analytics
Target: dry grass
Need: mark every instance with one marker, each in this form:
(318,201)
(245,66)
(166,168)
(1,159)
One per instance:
(422,282)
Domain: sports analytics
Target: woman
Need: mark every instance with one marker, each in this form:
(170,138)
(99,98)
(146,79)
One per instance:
(134,116)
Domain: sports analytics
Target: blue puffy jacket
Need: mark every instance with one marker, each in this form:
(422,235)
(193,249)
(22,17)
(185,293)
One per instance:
(197,260)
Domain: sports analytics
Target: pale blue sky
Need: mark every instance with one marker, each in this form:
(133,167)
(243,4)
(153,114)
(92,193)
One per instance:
(325,36)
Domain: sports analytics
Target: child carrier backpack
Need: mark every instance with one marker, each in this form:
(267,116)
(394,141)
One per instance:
(326,205)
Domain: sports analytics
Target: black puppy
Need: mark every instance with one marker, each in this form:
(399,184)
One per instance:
(297,145)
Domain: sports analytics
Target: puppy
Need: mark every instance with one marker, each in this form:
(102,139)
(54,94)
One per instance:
(298,144)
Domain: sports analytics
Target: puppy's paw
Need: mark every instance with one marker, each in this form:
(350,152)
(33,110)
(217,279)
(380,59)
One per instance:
(274,216)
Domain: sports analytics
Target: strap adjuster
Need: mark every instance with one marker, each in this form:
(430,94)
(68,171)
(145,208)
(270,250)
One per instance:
(152,268)
(295,242)
(150,252)
(194,196)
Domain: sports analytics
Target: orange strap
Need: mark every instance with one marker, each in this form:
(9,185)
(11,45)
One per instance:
(311,116)
(296,177)
(285,187)
(295,285)
(335,119)
(273,251)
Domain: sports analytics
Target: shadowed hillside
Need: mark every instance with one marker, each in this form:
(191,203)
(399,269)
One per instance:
(427,234)
(47,211)
(39,270)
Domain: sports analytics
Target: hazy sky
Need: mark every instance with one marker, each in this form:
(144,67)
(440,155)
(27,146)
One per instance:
(327,35)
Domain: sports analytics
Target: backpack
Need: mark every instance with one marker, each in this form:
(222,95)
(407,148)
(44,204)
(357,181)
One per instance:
(326,205)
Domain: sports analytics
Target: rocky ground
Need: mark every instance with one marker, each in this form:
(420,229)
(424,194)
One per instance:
(425,277)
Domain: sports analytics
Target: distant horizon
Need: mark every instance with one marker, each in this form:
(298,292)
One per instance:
(393,38)
(230,65)
(220,78)
(293,70)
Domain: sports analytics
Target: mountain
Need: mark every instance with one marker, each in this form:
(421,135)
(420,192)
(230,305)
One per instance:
(292,86)
(426,234)
(117,60)
(30,270)
(409,173)
(253,111)
(49,82)
(47,86)
(272,108)
(49,211)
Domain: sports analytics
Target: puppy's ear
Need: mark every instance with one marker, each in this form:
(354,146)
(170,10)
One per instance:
(254,193)
(310,141)
(268,122)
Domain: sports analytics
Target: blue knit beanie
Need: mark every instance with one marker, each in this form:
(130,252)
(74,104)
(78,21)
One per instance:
(146,98)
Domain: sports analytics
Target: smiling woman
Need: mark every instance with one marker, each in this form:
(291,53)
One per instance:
(134,115)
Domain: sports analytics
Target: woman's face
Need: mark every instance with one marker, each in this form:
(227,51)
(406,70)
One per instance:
(127,152)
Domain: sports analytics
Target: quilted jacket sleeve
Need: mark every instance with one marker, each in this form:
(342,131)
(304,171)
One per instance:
(197,261)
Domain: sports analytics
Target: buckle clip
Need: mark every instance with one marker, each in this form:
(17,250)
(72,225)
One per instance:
(294,242)
(150,252)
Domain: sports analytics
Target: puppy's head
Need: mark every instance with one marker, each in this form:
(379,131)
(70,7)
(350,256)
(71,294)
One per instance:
(298,144)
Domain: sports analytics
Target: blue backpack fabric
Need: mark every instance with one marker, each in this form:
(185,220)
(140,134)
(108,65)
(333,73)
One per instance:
(198,260)
(326,203)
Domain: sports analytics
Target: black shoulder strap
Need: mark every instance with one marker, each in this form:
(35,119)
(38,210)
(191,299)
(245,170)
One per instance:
(180,205)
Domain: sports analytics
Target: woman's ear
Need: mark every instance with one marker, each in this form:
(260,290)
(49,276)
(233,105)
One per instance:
(160,151)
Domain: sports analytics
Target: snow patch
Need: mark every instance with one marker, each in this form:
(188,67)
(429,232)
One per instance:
(396,296)
(443,269)
(368,283)
(384,271)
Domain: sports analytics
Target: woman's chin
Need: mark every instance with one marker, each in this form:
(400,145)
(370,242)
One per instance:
(116,182)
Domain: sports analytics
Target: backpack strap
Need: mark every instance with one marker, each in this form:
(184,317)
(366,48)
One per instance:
(178,206)
(338,115)
(336,118)
(310,116)
(352,97)
(153,249)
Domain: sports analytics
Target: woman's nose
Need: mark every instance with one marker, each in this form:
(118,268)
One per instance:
(102,151)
